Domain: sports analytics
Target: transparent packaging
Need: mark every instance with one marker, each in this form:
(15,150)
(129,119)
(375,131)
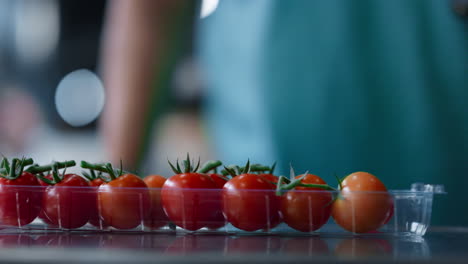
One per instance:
(244,212)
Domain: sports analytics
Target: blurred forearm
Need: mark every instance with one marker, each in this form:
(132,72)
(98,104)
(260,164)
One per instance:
(141,44)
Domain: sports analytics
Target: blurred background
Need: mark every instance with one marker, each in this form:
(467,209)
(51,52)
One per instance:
(367,85)
(48,117)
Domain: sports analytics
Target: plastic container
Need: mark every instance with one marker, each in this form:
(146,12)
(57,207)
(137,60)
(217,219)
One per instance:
(200,211)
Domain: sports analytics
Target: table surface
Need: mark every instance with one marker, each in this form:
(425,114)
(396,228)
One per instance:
(438,245)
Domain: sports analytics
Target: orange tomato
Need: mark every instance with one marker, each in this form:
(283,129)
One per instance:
(306,209)
(124,201)
(363,204)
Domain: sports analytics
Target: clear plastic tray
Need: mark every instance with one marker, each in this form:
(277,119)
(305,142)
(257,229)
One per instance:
(131,211)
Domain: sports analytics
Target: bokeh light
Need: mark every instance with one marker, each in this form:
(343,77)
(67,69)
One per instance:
(208,7)
(80,97)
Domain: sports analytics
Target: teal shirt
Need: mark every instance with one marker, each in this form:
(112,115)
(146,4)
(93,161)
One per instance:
(341,86)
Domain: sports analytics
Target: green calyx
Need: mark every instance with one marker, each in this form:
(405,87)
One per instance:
(36,169)
(54,167)
(92,175)
(285,184)
(102,168)
(187,166)
(15,169)
(234,170)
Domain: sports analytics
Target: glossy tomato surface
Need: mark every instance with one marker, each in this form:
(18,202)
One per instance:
(363,204)
(124,203)
(157,217)
(20,200)
(192,201)
(66,204)
(307,209)
(250,203)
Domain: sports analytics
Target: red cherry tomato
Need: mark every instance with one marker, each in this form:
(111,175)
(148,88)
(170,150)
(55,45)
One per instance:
(20,200)
(94,218)
(157,218)
(192,200)
(42,214)
(363,204)
(306,209)
(66,204)
(250,203)
(124,202)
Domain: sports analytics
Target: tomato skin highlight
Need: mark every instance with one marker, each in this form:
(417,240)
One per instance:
(124,202)
(250,203)
(66,204)
(363,204)
(157,217)
(189,204)
(306,209)
(20,200)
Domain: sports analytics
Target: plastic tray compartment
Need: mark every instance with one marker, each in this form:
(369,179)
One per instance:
(26,209)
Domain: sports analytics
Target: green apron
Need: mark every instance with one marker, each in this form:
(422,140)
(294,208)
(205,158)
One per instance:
(341,86)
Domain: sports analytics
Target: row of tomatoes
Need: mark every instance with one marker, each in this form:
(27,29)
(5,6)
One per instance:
(260,201)
(191,199)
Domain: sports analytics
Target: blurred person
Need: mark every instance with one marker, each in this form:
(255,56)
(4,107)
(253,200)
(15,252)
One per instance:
(331,86)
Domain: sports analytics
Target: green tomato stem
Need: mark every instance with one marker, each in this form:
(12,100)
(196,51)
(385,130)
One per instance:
(210,165)
(13,169)
(111,172)
(44,179)
(26,162)
(93,166)
(93,174)
(101,167)
(259,168)
(60,165)
(7,166)
(272,169)
(280,187)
